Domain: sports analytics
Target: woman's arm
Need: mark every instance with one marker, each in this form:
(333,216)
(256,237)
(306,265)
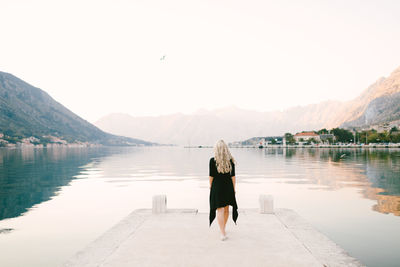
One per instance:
(211,179)
(234,183)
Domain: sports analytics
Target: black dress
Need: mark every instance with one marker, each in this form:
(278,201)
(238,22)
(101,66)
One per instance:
(222,192)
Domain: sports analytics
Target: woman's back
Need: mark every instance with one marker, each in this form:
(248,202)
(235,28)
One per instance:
(222,193)
(214,170)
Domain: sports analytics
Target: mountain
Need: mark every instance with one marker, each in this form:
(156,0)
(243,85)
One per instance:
(382,109)
(205,127)
(381,103)
(29,111)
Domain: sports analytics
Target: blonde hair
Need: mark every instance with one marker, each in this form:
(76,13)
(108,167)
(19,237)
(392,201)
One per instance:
(223,157)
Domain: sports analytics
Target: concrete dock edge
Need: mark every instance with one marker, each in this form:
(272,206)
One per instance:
(117,246)
(97,251)
(320,246)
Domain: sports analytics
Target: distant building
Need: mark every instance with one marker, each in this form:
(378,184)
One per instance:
(235,144)
(274,140)
(30,140)
(261,141)
(325,137)
(383,127)
(305,136)
(56,140)
(270,140)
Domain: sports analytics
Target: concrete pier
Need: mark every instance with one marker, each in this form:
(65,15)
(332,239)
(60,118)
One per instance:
(182,237)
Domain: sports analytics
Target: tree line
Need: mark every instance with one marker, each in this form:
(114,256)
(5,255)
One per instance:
(347,136)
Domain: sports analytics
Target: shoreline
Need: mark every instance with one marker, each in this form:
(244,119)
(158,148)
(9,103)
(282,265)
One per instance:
(306,146)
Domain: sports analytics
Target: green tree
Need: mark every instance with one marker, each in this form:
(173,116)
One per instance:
(12,139)
(373,137)
(384,137)
(289,138)
(395,137)
(394,129)
(312,140)
(342,135)
(323,131)
(45,140)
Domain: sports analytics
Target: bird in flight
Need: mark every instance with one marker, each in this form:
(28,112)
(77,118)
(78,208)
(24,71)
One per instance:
(163,57)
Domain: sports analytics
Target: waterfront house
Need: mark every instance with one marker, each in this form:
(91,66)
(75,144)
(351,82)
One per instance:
(305,136)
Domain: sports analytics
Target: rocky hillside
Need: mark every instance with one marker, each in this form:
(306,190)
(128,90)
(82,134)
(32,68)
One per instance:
(382,109)
(29,111)
(380,103)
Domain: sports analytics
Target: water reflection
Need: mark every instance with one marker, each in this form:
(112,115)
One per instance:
(31,176)
(375,171)
(343,192)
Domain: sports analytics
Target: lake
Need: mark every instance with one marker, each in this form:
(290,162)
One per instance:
(53,202)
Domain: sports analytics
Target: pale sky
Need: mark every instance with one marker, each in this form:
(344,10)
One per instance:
(101,57)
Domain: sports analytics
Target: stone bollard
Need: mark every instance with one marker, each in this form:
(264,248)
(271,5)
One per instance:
(159,204)
(266,204)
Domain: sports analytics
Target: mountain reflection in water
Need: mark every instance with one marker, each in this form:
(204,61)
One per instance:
(375,171)
(31,176)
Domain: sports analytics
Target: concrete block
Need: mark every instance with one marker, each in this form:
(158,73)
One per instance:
(159,204)
(266,204)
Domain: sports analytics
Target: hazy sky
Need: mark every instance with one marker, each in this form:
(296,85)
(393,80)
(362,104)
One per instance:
(99,57)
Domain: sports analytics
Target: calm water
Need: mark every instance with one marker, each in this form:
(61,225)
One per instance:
(53,202)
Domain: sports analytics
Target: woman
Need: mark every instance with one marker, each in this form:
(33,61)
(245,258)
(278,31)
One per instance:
(222,185)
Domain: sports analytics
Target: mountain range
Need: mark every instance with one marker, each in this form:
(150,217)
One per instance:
(380,102)
(27,111)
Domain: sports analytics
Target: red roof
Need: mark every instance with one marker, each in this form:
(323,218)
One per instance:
(306,134)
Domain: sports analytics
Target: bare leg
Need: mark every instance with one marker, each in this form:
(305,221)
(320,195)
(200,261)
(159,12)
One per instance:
(220,218)
(226,214)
